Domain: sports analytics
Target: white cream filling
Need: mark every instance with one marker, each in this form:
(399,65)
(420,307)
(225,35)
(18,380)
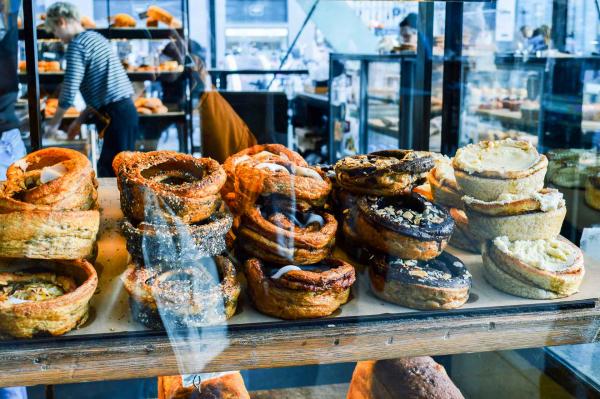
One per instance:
(497,156)
(284,270)
(307,172)
(551,255)
(16,301)
(273,167)
(53,172)
(549,200)
(22,164)
(241,159)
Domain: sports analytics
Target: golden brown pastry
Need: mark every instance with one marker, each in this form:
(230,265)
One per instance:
(160,14)
(44,297)
(203,293)
(407,226)
(52,178)
(284,235)
(444,188)
(538,269)
(166,185)
(411,377)
(87,22)
(272,169)
(462,237)
(123,21)
(489,169)
(299,292)
(226,386)
(47,234)
(531,217)
(441,283)
(384,173)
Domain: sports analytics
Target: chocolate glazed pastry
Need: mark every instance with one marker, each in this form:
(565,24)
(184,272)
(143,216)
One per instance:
(196,296)
(293,292)
(408,226)
(166,185)
(177,242)
(441,283)
(284,236)
(384,173)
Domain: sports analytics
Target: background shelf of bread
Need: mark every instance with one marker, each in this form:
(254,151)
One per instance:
(154,15)
(43,67)
(49,220)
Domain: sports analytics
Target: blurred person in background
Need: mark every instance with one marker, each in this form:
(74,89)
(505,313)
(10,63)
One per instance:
(11,143)
(94,70)
(540,39)
(408,29)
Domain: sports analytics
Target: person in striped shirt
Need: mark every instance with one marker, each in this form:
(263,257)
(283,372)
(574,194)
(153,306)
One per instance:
(94,70)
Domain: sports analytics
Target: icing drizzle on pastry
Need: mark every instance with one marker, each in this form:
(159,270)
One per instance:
(284,270)
(273,167)
(50,173)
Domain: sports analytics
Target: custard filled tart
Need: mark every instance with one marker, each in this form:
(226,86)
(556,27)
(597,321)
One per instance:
(407,226)
(441,283)
(519,217)
(384,173)
(163,186)
(283,235)
(299,291)
(201,294)
(489,169)
(44,298)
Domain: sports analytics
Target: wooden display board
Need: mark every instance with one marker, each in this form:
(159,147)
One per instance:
(111,345)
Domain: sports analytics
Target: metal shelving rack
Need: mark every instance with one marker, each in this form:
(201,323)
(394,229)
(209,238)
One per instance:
(30,35)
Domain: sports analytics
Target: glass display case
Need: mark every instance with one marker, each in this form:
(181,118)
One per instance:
(462,257)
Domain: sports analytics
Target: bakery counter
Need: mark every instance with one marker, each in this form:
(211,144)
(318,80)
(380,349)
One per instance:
(111,345)
(57,77)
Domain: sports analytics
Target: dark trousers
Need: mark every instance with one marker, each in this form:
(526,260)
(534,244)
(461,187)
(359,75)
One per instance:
(119,135)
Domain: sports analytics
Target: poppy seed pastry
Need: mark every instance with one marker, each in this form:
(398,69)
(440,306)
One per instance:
(202,293)
(176,243)
(441,283)
(384,173)
(488,169)
(299,291)
(407,226)
(45,297)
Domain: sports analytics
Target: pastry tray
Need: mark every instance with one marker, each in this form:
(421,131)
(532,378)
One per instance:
(111,315)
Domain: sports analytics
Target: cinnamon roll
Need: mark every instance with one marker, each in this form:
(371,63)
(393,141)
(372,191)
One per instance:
(441,283)
(200,294)
(407,226)
(255,154)
(163,186)
(284,235)
(41,298)
(384,173)
(299,292)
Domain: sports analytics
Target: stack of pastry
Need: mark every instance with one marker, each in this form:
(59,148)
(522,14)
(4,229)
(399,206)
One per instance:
(150,106)
(175,226)
(404,233)
(518,219)
(48,226)
(285,233)
(445,192)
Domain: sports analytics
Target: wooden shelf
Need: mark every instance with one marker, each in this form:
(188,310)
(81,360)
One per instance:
(113,346)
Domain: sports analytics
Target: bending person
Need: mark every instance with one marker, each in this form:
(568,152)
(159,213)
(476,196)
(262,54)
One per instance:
(93,69)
